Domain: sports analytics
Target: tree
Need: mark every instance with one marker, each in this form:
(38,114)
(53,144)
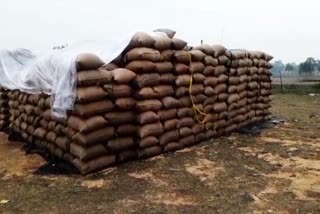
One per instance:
(308,67)
(278,67)
(289,67)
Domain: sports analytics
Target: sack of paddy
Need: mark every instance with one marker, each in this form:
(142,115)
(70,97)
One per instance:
(87,61)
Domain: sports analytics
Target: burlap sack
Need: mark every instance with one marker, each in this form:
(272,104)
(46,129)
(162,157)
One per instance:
(209,70)
(40,133)
(197,55)
(163,90)
(125,104)
(122,75)
(163,67)
(148,142)
(185,112)
(233,98)
(110,66)
(187,141)
(87,153)
(127,155)
(196,67)
(211,81)
(218,70)
(154,129)
(200,98)
(88,61)
(117,91)
(211,117)
(167,55)
(172,146)
(141,39)
(182,56)
(222,78)
(167,114)
(89,94)
(170,124)
(168,78)
(162,43)
(221,88)
(185,101)
(232,89)
(86,125)
(209,91)
(94,137)
(241,87)
(197,89)
(181,91)
(169,102)
(220,107)
(223,115)
(141,66)
(198,128)
(232,107)
(242,71)
(218,50)
(120,143)
(184,132)
(30,129)
(148,105)
(178,44)
(186,122)
(143,54)
(52,125)
(94,77)
(169,136)
(183,80)
(150,152)
(94,108)
(126,130)
(95,164)
(220,124)
(181,68)
(147,117)
(243,94)
(118,118)
(63,143)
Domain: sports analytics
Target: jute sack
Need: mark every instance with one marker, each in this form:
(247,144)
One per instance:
(198,78)
(150,152)
(197,67)
(126,130)
(169,136)
(170,124)
(154,129)
(141,39)
(207,49)
(120,143)
(222,78)
(95,164)
(163,90)
(94,108)
(186,122)
(148,105)
(172,146)
(178,44)
(218,50)
(185,131)
(187,141)
(123,76)
(167,55)
(94,137)
(182,56)
(162,43)
(94,77)
(220,107)
(87,153)
(86,125)
(168,78)
(209,60)
(125,103)
(148,142)
(141,66)
(170,33)
(89,94)
(183,80)
(146,80)
(185,112)
(63,143)
(118,118)
(181,68)
(88,61)
(163,67)
(197,55)
(147,117)
(211,81)
(169,102)
(143,54)
(167,114)
(117,91)
(127,155)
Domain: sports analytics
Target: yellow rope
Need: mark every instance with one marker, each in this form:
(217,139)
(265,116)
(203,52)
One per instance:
(194,106)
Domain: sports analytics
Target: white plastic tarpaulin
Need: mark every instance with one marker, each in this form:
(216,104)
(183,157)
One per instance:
(53,72)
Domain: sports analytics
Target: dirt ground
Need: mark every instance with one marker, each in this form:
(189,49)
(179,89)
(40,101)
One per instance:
(277,171)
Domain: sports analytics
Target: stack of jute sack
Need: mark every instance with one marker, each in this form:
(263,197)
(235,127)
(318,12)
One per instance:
(157,96)
(215,89)
(4,108)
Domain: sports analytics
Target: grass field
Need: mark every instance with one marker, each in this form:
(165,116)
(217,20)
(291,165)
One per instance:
(277,171)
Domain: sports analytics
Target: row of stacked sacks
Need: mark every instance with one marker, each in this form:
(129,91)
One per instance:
(4,109)
(156,97)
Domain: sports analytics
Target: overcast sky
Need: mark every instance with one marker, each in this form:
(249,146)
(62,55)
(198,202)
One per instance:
(287,29)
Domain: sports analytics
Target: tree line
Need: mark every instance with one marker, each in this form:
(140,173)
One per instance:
(306,68)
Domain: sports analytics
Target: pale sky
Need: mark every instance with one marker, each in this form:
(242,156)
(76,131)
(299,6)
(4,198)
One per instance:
(287,29)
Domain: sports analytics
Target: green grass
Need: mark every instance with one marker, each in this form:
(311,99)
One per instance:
(297,89)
